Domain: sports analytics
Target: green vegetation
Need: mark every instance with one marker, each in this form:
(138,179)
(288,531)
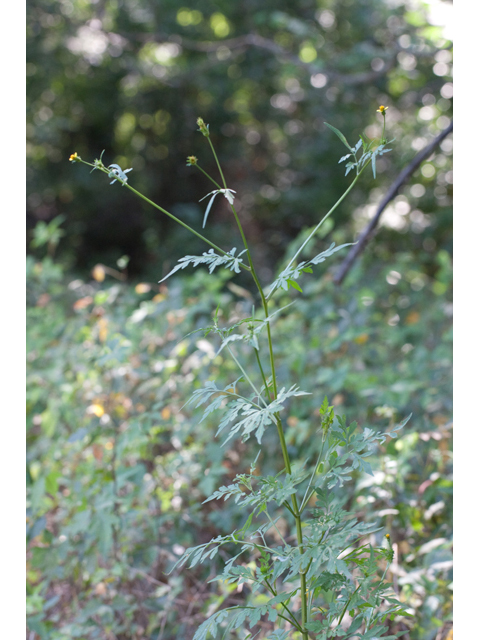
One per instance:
(132,465)
(120,468)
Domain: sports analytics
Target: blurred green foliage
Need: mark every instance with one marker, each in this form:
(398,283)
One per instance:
(116,465)
(132,77)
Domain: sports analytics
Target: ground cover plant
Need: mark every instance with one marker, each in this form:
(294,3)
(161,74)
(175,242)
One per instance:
(330,572)
(99,550)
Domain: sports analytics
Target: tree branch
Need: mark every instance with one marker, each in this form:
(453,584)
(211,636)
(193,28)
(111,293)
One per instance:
(367,232)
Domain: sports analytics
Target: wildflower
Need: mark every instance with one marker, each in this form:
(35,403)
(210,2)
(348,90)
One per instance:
(191,161)
(203,127)
(74,157)
(381,109)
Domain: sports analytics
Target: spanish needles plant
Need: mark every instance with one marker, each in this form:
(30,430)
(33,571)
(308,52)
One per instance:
(324,581)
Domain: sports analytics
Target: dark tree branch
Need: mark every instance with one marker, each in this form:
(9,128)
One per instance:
(366,234)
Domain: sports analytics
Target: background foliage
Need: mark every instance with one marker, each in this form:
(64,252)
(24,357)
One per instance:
(116,465)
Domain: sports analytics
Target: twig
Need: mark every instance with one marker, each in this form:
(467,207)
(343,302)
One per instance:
(364,237)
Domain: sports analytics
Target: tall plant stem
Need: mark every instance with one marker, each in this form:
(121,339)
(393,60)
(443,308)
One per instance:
(281,434)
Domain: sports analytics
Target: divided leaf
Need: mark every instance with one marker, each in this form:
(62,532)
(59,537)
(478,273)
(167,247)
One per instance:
(288,277)
(212,259)
(253,417)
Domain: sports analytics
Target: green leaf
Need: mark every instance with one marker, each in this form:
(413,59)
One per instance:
(291,274)
(295,285)
(212,259)
(340,135)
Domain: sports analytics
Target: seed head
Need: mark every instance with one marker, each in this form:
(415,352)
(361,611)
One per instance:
(203,127)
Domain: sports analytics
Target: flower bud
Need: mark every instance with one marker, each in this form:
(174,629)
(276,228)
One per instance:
(202,127)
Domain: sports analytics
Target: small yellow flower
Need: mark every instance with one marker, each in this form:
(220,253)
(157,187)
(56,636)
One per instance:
(388,536)
(381,109)
(191,161)
(74,157)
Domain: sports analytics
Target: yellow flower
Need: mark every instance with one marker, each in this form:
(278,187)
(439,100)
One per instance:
(381,109)
(74,157)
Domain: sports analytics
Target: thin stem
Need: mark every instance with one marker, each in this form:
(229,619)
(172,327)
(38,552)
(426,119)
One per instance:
(246,376)
(257,355)
(327,215)
(257,283)
(208,176)
(274,525)
(305,499)
(180,222)
(303,578)
(167,213)
(346,605)
(293,619)
(287,506)
(218,163)
(237,395)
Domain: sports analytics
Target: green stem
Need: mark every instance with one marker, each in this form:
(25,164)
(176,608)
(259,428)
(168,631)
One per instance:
(208,176)
(346,606)
(218,163)
(306,500)
(259,363)
(281,435)
(303,577)
(325,217)
(246,376)
(274,526)
(256,280)
(167,213)
(293,619)
(180,222)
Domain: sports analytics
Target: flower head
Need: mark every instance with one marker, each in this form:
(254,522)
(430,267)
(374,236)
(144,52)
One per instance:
(191,161)
(381,109)
(203,127)
(74,157)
